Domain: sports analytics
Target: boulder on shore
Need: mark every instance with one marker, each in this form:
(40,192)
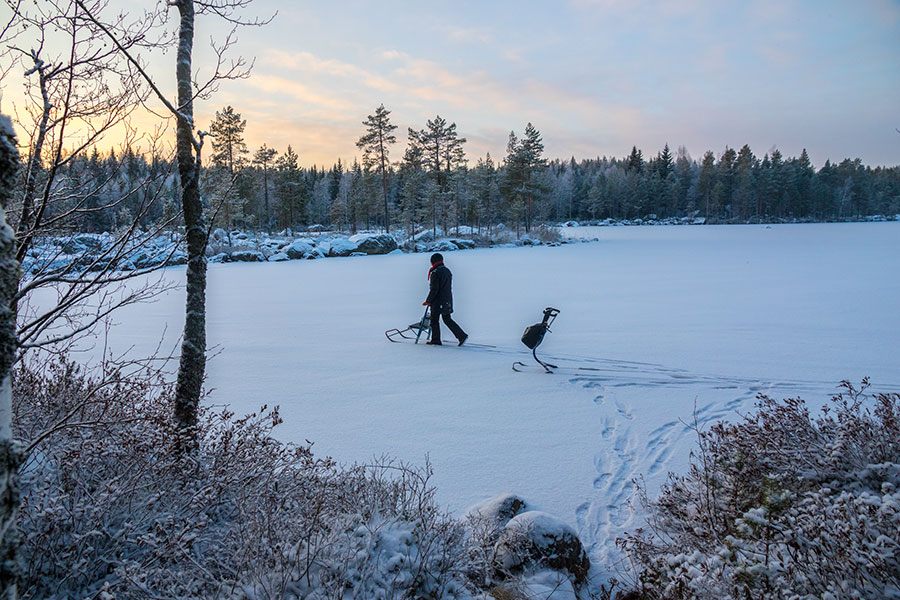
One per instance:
(300,248)
(378,243)
(536,539)
(499,510)
(247,256)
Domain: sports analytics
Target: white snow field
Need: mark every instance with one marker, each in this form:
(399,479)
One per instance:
(660,327)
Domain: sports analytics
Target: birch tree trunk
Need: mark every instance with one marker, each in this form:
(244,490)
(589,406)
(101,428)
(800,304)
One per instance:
(10,455)
(192,365)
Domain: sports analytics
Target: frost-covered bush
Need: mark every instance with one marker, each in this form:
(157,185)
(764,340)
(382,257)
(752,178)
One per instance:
(782,505)
(110,508)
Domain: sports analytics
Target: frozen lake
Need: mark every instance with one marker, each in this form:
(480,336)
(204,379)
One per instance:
(669,322)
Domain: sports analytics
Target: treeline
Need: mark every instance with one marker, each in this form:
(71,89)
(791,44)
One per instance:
(434,186)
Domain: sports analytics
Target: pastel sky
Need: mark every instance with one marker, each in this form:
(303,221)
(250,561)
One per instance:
(594,76)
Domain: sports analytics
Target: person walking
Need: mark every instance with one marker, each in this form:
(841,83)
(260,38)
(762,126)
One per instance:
(440,299)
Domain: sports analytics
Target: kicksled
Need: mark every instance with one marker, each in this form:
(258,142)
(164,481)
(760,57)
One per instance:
(421,331)
(532,338)
(414,332)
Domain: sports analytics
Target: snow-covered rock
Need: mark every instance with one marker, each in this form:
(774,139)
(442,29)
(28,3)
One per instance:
(300,248)
(536,538)
(279,257)
(499,510)
(336,246)
(440,246)
(464,244)
(378,243)
(426,236)
(247,256)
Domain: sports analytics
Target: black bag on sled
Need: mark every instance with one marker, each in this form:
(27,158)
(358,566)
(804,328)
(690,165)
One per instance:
(534,335)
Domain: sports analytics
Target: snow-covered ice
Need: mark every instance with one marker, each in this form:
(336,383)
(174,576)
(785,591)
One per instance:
(660,327)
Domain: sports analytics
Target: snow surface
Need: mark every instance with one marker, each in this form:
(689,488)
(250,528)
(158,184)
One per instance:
(673,325)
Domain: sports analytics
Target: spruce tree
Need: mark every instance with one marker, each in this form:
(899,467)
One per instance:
(706,181)
(291,190)
(635,161)
(664,163)
(745,182)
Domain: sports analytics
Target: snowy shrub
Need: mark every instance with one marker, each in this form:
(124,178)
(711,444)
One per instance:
(782,505)
(545,234)
(111,509)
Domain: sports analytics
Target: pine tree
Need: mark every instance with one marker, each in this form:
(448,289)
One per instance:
(442,153)
(228,157)
(227,133)
(264,157)
(375,145)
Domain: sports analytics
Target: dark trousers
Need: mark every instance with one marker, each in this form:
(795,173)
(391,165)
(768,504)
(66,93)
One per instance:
(436,326)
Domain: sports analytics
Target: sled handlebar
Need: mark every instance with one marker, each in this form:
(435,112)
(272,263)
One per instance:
(549,315)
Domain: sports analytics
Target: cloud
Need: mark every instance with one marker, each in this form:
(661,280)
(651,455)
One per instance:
(317,104)
(468,35)
(306,62)
(514,55)
(307,95)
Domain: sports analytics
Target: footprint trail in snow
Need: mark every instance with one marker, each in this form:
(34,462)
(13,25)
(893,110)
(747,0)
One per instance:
(649,414)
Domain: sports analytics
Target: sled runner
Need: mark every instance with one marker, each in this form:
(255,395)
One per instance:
(414,331)
(533,337)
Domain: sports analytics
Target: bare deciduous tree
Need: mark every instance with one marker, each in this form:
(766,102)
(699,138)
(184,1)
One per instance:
(189,144)
(78,90)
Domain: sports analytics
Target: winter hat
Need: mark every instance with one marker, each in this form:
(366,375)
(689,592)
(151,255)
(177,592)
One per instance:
(436,258)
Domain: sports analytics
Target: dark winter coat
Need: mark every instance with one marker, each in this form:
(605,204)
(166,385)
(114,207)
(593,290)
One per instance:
(440,295)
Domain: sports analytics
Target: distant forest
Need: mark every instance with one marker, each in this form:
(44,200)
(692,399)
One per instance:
(433,185)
